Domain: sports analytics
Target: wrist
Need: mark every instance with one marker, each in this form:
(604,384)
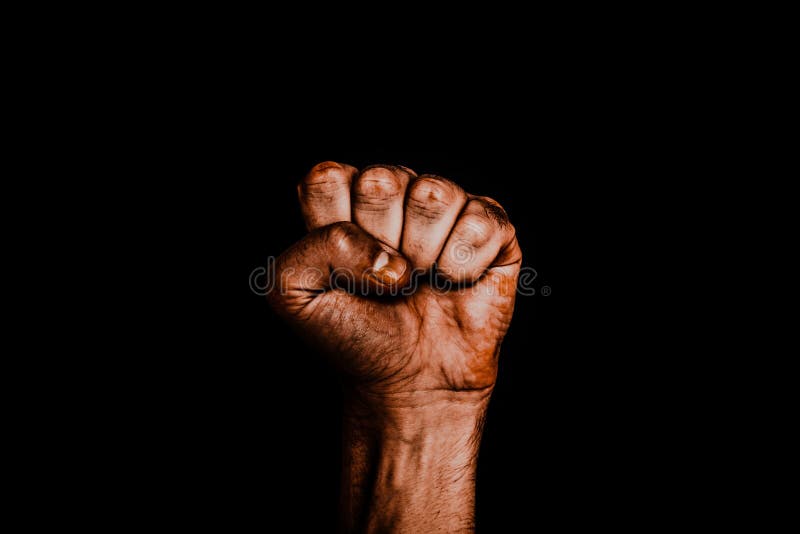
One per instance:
(413,415)
(410,460)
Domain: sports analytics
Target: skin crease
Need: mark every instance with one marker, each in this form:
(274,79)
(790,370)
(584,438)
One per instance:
(419,367)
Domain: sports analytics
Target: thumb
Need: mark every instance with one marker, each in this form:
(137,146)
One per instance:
(338,256)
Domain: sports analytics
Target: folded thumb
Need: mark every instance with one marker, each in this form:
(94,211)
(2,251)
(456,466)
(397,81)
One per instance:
(339,256)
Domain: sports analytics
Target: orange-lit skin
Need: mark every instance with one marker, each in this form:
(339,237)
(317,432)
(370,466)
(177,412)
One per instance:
(421,367)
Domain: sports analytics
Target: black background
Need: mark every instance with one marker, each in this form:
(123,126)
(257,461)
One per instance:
(227,420)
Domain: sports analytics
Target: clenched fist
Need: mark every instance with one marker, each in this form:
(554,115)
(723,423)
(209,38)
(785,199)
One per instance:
(408,283)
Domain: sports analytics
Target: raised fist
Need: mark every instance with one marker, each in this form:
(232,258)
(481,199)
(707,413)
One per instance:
(407,281)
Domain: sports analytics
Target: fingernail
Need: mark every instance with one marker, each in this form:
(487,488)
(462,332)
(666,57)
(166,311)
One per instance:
(381,260)
(388,269)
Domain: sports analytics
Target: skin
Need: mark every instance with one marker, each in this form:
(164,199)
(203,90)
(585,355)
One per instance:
(419,366)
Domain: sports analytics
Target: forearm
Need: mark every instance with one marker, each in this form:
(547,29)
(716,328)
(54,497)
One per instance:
(411,468)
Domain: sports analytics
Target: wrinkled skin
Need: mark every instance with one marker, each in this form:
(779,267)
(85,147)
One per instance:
(403,346)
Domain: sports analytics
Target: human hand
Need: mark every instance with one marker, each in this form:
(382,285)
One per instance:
(408,283)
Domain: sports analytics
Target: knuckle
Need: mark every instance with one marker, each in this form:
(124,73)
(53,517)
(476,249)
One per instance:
(489,208)
(430,189)
(378,183)
(325,178)
(475,229)
(431,196)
